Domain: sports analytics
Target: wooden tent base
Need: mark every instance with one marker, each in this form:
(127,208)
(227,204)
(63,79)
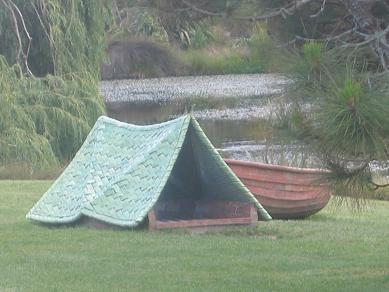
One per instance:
(219,213)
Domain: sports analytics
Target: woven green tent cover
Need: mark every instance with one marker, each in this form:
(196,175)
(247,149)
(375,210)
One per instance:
(121,170)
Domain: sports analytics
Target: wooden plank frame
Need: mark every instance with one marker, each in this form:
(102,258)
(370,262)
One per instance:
(249,220)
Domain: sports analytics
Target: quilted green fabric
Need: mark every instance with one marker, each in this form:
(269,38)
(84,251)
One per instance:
(121,170)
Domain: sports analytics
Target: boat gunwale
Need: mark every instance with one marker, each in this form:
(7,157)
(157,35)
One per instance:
(276,167)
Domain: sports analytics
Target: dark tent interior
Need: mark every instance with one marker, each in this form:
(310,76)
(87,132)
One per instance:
(191,191)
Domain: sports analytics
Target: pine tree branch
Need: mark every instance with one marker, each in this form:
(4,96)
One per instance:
(377,186)
(202,11)
(323,5)
(283,11)
(369,29)
(289,9)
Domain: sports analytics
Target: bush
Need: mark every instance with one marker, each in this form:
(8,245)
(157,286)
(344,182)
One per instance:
(263,53)
(203,62)
(139,59)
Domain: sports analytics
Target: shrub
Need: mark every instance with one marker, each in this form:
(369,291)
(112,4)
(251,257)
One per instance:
(203,62)
(135,59)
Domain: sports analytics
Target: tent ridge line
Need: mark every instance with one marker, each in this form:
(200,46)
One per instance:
(110,121)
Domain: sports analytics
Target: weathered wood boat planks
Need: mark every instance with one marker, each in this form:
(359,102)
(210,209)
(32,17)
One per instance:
(285,192)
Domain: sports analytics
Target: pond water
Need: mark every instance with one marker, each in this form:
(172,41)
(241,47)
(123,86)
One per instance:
(219,131)
(244,139)
(231,109)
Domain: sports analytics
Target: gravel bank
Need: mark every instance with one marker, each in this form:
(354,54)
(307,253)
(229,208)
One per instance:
(163,90)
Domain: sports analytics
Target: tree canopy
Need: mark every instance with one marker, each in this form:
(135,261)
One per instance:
(345,23)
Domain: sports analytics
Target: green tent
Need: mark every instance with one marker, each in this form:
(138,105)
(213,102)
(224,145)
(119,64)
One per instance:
(122,170)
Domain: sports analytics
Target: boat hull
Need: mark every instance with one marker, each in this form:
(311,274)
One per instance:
(285,192)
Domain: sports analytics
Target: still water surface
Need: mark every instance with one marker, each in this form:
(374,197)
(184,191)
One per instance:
(219,131)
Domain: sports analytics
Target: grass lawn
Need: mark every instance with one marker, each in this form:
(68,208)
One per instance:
(331,251)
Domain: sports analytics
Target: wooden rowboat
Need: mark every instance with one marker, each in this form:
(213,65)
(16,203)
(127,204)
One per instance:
(285,192)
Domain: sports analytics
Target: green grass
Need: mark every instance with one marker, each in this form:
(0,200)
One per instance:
(328,252)
(22,171)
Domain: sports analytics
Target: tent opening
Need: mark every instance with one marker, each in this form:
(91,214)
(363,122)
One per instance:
(188,198)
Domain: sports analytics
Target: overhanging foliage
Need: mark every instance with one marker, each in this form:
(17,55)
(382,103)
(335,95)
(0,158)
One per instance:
(45,119)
